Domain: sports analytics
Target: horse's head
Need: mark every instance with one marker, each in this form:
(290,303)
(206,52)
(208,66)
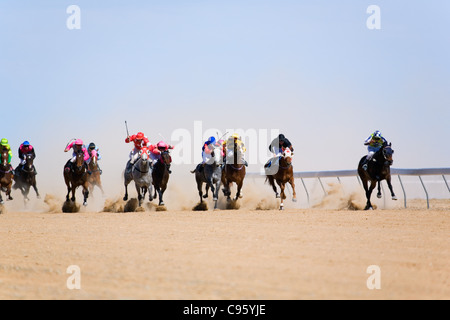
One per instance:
(29,161)
(144,154)
(4,157)
(387,153)
(287,155)
(166,158)
(79,160)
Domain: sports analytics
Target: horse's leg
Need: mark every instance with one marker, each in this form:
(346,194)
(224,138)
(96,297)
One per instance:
(125,197)
(85,194)
(239,187)
(74,189)
(150,192)
(368,194)
(294,194)
(138,190)
(1,198)
(36,190)
(379,189)
(206,190)
(216,193)
(388,180)
(282,194)
(199,188)
(160,194)
(272,184)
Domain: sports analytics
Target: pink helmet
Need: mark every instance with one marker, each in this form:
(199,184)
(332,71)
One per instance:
(79,142)
(161,144)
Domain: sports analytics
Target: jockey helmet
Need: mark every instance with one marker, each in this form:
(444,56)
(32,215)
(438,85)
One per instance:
(4,142)
(235,136)
(91,146)
(377,135)
(26,143)
(161,144)
(211,139)
(79,142)
(221,141)
(140,136)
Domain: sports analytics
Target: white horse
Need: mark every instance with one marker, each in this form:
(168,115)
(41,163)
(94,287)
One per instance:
(141,173)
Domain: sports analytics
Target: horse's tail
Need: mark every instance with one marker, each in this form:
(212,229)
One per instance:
(193,171)
(271,180)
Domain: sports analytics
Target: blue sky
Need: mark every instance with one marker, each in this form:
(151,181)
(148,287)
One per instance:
(311,69)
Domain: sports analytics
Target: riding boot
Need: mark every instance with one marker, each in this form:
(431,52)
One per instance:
(129,167)
(87,168)
(364,165)
(245,163)
(12,169)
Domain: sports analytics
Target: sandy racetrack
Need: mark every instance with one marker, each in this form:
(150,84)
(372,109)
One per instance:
(227,254)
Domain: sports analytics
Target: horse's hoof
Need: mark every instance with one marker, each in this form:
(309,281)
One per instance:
(85,204)
(294,200)
(2,202)
(125,198)
(205,196)
(214,199)
(240,196)
(394,198)
(379,196)
(10,198)
(277,196)
(281,208)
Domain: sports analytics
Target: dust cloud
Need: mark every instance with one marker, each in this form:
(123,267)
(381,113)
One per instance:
(338,199)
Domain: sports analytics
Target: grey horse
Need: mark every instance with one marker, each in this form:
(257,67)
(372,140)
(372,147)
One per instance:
(141,173)
(211,174)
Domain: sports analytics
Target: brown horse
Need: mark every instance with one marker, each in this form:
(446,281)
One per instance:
(160,175)
(283,175)
(6,175)
(378,169)
(94,177)
(77,176)
(233,172)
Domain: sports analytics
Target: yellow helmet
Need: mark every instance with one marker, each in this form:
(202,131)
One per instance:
(4,142)
(235,136)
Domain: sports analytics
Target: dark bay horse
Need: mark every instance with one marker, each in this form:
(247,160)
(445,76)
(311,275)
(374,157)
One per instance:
(284,174)
(94,178)
(76,177)
(211,175)
(6,175)
(160,175)
(25,177)
(233,172)
(378,169)
(141,174)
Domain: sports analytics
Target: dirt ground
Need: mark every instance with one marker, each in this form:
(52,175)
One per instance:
(227,254)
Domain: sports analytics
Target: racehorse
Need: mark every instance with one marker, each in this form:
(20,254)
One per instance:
(142,176)
(94,177)
(6,176)
(378,169)
(284,174)
(160,175)
(233,172)
(25,177)
(211,175)
(76,177)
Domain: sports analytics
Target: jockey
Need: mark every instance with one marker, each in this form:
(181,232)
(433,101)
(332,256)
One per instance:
(94,151)
(374,143)
(76,145)
(25,149)
(4,144)
(233,140)
(156,150)
(277,147)
(140,141)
